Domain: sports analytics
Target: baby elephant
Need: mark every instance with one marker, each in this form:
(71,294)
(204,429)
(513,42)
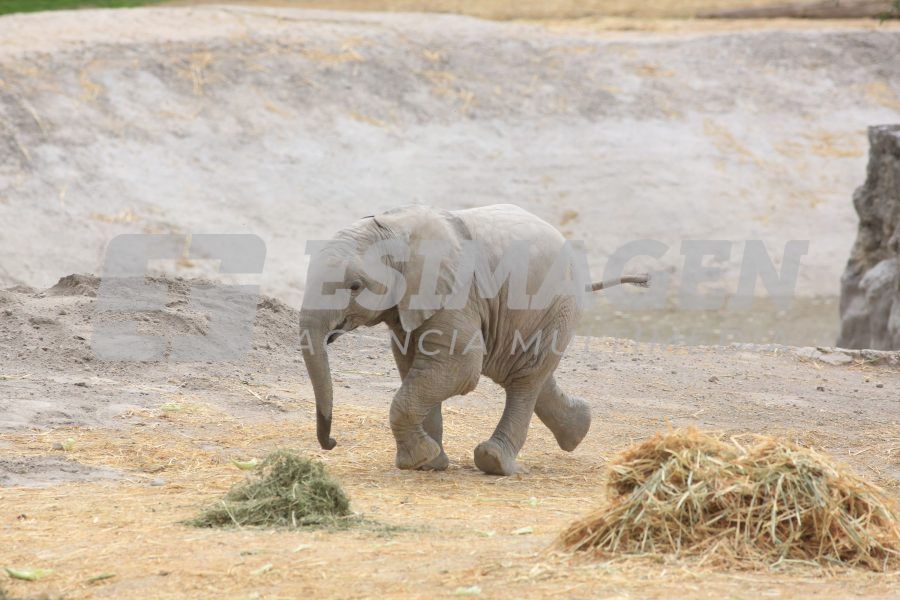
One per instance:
(491,290)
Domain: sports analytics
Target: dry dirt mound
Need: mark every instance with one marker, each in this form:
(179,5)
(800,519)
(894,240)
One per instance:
(52,331)
(56,324)
(76,285)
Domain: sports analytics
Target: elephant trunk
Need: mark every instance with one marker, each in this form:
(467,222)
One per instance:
(316,359)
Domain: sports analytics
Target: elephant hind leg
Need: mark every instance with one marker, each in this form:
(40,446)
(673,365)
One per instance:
(434,427)
(497,455)
(568,418)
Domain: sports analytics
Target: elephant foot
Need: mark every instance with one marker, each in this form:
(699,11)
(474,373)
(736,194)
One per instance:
(490,458)
(570,433)
(417,452)
(439,464)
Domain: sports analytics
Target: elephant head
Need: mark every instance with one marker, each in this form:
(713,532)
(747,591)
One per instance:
(366,274)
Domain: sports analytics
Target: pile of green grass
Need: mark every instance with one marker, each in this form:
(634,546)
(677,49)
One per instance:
(286,490)
(17,6)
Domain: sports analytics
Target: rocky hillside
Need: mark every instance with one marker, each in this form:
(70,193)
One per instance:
(290,124)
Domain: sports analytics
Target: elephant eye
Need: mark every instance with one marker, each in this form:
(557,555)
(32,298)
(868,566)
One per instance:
(355,286)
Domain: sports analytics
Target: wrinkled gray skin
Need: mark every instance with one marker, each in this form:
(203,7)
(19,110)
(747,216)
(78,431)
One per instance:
(430,377)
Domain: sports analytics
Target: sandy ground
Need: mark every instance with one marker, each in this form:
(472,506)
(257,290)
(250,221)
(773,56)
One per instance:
(150,444)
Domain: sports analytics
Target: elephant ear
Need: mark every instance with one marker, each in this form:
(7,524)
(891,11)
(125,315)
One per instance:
(422,227)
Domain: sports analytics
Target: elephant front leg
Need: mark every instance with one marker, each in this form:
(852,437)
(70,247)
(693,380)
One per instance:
(497,455)
(434,421)
(416,411)
(415,448)
(568,418)
(435,374)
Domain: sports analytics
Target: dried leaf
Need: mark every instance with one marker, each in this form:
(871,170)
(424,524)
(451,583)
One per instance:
(28,574)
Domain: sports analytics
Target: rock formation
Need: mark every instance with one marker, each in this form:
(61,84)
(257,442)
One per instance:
(870,286)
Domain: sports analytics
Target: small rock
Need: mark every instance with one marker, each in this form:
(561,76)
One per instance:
(42,321)
(879,385)
(713,379)
(820,388)
(835,358)
(157,482)
(81,384)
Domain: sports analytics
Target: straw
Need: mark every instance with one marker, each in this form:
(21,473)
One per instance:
(760,500)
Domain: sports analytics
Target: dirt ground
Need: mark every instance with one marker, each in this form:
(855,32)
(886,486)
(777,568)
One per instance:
(289,124)
(100,461)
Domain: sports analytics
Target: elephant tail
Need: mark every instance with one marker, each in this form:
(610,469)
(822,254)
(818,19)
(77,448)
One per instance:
(639,280)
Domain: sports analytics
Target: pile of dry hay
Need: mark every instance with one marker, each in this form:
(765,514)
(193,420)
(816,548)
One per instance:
(761,503)
(287,491)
